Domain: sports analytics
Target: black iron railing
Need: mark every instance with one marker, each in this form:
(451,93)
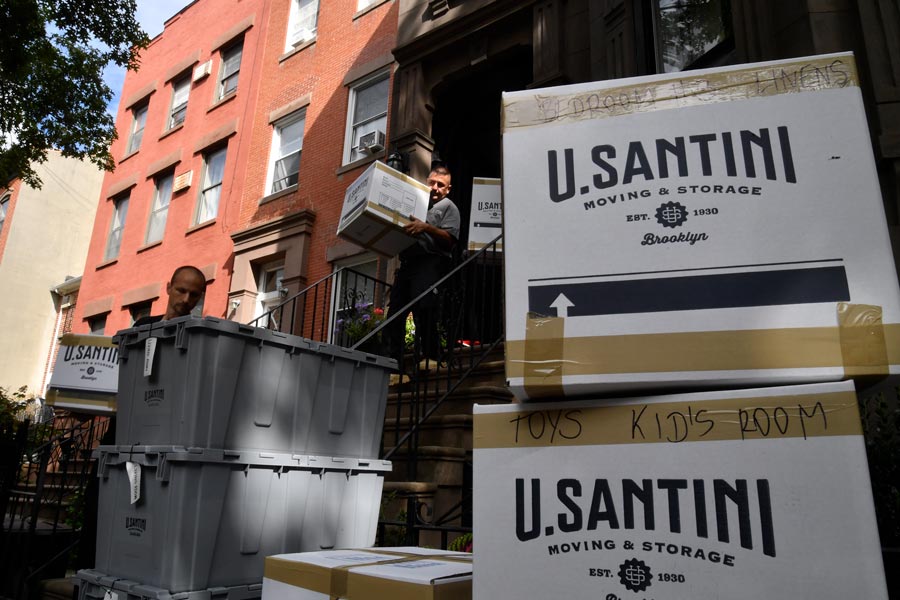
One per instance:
(334,309)
(470,321)
(43,500)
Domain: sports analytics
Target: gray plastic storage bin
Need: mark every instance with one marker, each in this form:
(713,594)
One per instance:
(220,384)
(93,585)
(208,518)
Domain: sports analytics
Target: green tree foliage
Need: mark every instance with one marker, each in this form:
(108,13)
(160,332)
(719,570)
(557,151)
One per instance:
(52,93)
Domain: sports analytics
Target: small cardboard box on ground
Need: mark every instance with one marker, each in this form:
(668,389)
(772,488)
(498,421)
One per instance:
(378,205)
(702,229)
(372,574)
(486,220)
(741,494)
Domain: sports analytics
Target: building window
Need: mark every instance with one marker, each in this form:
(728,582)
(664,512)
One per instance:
(302,22)
(4,206)
(357,287)
(139,119)
(97,324)
(287,142)
(139,311)
(117,225)
(180,91)
(156,225)
(269,288)
(231,67)
(691,33)
(213,172)
(367,113)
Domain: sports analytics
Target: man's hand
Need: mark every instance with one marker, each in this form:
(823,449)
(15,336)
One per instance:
(415,226)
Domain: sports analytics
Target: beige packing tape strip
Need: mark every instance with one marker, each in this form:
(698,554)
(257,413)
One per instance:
(544,356)
(74,339)
(401,176)
(863,345)
(106,402)
(752,418)
(788,77)
(860,344)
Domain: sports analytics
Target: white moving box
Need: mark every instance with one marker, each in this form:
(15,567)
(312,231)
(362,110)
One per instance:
(722,227)
(486,218)
(85,377)
(378,205)
(743,494)
(425,573)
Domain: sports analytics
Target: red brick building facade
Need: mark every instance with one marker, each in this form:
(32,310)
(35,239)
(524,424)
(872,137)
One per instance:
(212,130)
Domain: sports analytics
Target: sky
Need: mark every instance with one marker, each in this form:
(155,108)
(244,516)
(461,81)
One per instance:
(151,14)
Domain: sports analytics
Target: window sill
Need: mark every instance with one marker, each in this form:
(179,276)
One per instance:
(221,101)
(129,155)
(279,194)
(369,8)
(106,263)
(296,49)
(200,226)
(359,163)
(148,246)
(169,132)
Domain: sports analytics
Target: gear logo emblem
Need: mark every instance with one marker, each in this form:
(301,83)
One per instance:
(635,575)
(671,214)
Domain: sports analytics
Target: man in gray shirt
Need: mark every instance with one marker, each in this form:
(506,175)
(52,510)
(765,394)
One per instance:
(423,263)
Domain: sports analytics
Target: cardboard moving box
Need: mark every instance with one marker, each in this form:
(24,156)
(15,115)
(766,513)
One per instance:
(85,376)
(378,205)
(372,574)
(743,494)
(718,228)
(486,219)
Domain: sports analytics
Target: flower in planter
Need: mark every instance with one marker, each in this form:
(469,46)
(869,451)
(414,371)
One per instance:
(357,321)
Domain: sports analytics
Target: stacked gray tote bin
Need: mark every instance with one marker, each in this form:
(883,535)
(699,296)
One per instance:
(233,443)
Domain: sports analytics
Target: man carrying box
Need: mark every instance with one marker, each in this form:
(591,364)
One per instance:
(423,263)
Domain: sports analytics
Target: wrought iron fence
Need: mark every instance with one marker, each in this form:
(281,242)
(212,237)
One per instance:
(339,308)
(470,323)
(46,476)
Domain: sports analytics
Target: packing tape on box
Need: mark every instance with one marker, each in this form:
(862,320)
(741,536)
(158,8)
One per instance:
(333,580)
(75,399)
(828,72)
(401,176)
(726,419)
(860,344)
(74,339)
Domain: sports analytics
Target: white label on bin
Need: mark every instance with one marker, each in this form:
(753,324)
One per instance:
(149,351)
(134,480)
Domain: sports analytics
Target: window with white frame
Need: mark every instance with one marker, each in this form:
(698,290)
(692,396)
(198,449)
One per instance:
(364,4)
(181,89)
(231,67)
(4,206)
(366,113)
(139,311)
(691,34)
(269,286)
(138,121)
(116,227)
(159,211)
(287,143)
(302,22)
(97,324)
(213,173)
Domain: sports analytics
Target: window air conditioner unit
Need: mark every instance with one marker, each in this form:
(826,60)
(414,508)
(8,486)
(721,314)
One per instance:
(202,70)
(372,142)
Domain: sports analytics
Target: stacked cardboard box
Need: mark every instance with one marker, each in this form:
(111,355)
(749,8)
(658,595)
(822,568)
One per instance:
(704,231)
